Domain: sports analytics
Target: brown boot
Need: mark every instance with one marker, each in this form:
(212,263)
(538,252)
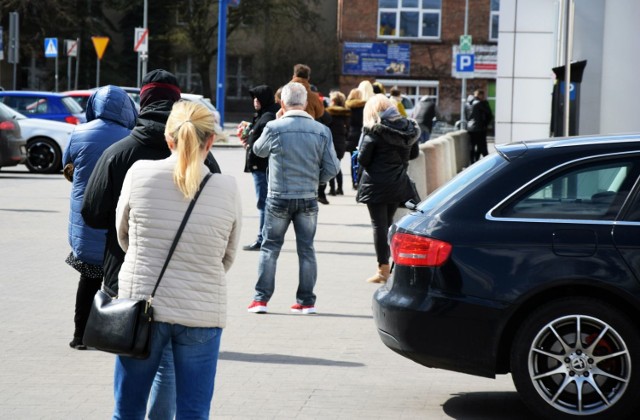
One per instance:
(384,271)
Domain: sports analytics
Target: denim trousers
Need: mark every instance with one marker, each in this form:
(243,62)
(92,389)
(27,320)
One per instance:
(261,186)
(162,401)
(279,213)
(195,356)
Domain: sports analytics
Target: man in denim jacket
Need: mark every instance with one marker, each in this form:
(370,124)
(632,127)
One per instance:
(301,154)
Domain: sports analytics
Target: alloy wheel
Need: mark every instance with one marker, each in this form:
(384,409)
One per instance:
(579,365)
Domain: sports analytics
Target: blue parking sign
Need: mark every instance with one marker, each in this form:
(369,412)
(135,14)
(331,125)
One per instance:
(465,63)
(51,47)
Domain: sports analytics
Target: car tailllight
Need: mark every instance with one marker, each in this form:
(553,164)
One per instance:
(414,250)
(7,125)
(72,120)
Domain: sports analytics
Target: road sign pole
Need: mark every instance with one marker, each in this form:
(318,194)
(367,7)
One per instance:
(463,94)
(56,73)
(77,63)
(69,73)
(145,25)
(222,52)
(98,73)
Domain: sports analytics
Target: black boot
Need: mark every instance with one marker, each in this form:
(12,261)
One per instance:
(322,198)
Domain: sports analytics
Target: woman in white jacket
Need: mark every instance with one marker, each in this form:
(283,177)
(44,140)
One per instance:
(190,303)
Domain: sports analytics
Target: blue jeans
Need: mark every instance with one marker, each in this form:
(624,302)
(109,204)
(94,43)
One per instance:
(195,356)
(162,401)
(280,213)
(261,185)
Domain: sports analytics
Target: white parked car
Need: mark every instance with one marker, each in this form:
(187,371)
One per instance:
(46,140)
(202,100)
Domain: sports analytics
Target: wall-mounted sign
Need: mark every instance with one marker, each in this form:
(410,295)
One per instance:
(484,63)
(376,58)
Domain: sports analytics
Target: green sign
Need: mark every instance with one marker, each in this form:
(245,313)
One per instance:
(465,43)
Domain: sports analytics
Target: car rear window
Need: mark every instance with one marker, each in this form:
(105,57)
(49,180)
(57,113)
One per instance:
(463,180)
(71,105)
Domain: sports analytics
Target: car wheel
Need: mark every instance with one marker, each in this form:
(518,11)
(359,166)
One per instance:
(43,156)
(573,358)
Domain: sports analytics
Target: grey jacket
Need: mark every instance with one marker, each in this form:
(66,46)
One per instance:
(301,155)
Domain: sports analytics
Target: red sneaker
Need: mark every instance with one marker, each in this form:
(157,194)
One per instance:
(258,307)
(303,309)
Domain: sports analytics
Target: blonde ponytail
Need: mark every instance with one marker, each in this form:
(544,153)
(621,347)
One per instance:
(190,125)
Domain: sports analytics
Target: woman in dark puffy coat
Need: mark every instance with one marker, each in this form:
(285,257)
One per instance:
(111,115)
(355,105)
(339,128)
(389,142)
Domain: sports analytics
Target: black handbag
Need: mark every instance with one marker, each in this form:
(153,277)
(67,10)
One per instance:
(124,326)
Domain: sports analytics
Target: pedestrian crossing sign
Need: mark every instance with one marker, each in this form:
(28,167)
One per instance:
(51,47)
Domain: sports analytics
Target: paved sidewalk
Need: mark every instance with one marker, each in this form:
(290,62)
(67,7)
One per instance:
(275,366)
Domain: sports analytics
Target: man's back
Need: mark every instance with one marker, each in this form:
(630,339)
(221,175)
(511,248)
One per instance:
(301,154)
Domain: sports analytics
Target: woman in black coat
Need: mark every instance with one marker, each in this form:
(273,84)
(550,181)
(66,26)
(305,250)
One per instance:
(355,105)
(389,142)
(339,128)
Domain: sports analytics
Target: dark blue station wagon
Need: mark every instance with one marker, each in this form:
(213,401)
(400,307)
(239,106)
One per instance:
(528,262)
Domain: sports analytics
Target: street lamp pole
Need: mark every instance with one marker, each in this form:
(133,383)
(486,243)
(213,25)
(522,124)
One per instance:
(222,54)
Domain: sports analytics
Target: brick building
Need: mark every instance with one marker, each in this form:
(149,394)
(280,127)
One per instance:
(413,44)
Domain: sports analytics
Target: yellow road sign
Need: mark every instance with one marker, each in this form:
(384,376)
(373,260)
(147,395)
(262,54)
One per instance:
(100,44)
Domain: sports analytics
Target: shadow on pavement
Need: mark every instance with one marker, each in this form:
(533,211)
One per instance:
(283,359)
(487,406)
(344,316)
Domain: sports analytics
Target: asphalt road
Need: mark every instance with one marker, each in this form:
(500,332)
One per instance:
(275,366)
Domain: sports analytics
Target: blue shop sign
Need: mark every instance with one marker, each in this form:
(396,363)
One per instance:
(376,58)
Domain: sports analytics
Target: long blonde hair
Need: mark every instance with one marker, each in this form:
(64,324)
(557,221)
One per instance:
(189,126)
(372,109)
(366,88)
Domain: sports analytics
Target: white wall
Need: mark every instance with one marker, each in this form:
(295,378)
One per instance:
(620,68)
(526,55)
(606,34)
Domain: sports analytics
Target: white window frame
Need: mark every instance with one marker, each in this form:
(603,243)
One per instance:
(494,13)
(399,9)
(240,78)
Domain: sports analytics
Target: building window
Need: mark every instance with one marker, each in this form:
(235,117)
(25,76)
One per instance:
(494,19)
(238,77)
(409,18)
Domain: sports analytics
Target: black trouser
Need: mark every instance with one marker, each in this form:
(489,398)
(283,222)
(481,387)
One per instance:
(338,179)
(478,145)
(381,220)
(87,289)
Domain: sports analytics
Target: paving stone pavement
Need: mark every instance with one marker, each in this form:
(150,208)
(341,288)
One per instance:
(275,366)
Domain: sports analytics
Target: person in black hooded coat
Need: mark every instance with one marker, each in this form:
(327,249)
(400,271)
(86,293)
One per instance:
(389,142)
(266,108)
